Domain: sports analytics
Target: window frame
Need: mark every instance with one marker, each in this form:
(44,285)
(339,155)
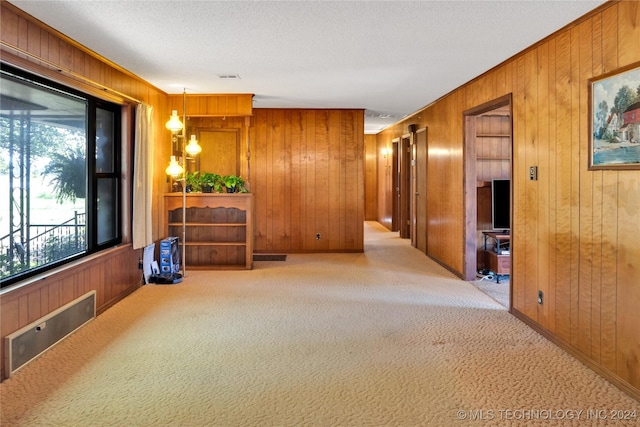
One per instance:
(92,176)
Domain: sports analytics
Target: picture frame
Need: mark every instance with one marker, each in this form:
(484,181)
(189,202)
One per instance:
(614,119)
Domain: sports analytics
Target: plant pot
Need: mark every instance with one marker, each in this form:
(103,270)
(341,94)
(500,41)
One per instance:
(207,189)
(231,190)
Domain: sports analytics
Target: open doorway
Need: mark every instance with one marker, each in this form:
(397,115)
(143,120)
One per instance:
(488,206)
(404,187)
(395,185)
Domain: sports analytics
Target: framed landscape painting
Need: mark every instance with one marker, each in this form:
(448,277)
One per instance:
(614,114)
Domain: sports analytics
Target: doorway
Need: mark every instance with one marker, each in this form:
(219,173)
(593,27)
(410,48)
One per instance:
(410,180)
(395,185)
(404,187)
(419,189)
(487,155)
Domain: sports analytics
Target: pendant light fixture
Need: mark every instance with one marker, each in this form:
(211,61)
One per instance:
(177,169)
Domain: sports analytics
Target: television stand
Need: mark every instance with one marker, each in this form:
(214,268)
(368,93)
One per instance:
(498,259)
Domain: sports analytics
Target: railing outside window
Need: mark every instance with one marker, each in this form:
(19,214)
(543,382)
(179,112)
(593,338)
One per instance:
(49,243)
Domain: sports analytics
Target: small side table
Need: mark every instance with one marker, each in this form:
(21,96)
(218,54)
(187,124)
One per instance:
(499,262)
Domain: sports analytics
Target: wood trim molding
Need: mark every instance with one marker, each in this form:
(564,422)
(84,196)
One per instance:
(606,374)
(35,64)
(72,42)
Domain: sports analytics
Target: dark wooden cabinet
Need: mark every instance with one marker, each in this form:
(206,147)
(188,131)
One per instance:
(499,264)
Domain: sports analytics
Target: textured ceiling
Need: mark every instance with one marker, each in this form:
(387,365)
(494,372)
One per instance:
(390,58)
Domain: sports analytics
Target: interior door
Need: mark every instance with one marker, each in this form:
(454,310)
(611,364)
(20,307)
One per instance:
(414,193)
(420,196)
(404,188)
(395,185)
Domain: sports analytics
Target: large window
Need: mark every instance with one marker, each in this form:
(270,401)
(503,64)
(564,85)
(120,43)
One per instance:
(59,175)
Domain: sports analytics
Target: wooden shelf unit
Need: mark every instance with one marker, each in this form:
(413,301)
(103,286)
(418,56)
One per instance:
(499,264)
(493,147)
(219,228)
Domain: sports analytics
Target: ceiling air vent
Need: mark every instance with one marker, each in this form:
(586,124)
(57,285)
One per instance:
(228,76)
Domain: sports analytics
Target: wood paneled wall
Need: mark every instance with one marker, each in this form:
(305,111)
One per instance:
(110,274)
(575,232)
(307,174)
(113,274)
(220,105)
(306,170)
(30,45)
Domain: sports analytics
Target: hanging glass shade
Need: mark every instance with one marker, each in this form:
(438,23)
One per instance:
(193,147)
(174,169)
(174,124)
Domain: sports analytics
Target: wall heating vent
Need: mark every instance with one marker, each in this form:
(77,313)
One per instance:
(25,344)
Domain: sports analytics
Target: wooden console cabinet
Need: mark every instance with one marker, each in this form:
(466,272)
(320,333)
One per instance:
(497,261)
(219,228)
(499,264)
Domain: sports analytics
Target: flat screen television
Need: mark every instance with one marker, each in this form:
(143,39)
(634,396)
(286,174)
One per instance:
(501,204)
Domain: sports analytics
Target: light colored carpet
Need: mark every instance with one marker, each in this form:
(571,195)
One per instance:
(498,291)
(383,338)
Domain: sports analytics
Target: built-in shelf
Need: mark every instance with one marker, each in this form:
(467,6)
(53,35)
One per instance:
(199,224)
(492,135)
(219,229)
(218,243)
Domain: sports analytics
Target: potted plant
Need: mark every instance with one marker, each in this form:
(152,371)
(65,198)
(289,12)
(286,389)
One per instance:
(219,185)
(208,182)
(192,181)
(230,182)
(234,184)
(67,172)
(240,185)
